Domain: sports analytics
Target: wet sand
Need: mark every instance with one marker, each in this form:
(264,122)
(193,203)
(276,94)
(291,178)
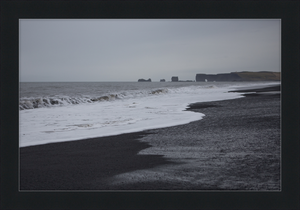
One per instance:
(236,146)
(83,164)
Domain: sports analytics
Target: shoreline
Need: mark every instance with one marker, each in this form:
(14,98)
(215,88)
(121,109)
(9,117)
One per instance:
(94,164)
(96,125)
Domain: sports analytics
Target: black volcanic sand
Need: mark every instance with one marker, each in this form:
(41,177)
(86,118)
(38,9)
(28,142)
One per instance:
(236,146)
(81,164)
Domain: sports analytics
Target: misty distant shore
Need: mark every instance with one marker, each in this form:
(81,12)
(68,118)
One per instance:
(228,77)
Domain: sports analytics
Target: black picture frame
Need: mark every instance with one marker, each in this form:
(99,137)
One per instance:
(12,11)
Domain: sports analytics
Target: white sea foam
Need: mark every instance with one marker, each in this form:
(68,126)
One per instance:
(134,111)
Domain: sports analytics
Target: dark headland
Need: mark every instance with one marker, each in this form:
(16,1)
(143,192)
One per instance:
(236,146)
(240,76)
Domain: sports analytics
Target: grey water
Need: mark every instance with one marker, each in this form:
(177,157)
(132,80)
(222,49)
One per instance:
(41,94)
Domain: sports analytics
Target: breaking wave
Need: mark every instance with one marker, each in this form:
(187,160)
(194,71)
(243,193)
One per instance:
(52,101)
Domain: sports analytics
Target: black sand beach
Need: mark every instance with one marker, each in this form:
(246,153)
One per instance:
(236,146)
(83,164)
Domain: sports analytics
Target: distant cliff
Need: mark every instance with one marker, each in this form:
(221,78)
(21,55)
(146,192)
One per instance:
(218,77)
(143,80)
(239,76)
(259,76)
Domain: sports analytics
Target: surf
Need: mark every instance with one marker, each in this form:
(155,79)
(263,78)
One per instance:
(129,111)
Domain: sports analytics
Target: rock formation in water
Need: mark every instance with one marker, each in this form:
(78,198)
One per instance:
(174,79)
(143,80)
(162,80)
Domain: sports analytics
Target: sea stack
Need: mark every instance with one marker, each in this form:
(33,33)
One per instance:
(174,79)
(143,80)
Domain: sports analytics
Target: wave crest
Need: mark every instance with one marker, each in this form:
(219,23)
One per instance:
(40,102)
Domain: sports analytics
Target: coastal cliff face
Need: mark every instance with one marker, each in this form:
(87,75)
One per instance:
(217,77)
(260,76)
(239,76)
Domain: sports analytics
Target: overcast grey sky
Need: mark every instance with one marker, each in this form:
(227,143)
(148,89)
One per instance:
(127,50)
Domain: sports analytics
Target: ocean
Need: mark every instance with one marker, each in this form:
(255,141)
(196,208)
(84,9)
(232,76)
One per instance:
(66,111)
